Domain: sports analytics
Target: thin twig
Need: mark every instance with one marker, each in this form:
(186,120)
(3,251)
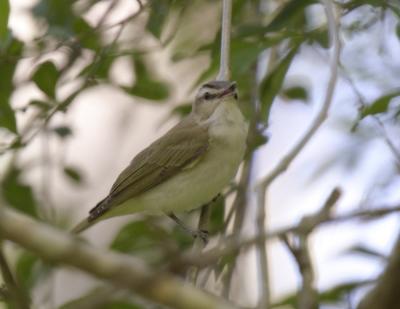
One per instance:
(224,72)
(323,113)
(361,105)
(308,296)
(285,162)
(231,246)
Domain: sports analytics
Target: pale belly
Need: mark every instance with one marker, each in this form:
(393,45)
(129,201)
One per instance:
(196,185)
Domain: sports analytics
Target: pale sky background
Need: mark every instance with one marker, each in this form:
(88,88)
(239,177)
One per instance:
(100,115)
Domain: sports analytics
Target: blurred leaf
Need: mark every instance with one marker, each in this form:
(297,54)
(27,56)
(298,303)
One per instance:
(255,140)
(339,292)
(272,83)
(58,15)
(380,105)
(288,12)
(158,14)
(42,105)
(398,30)
(216,222)
(8,61)
(46,77)
(244,55)
(7,117)
(296,93)
(25,269)
(18,194)
(100,67)
(141,238)
(182,238)
(4,14)
(73,174)
(63,131)
(182,109)
(365,251)
(146,86)
(87,37)
(320,36)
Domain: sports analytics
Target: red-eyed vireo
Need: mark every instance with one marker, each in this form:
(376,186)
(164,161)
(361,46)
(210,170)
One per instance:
(185,168)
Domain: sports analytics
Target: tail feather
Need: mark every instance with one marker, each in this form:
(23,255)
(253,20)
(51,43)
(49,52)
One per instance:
(93,217)
(81,226)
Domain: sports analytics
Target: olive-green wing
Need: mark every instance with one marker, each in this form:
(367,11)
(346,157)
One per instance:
(182,145)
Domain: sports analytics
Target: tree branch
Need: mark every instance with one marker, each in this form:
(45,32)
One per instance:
(323,113)
(122,270)
(385,293)
(263,184)
(224,72)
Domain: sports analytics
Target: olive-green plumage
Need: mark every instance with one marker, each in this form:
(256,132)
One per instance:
(187,166)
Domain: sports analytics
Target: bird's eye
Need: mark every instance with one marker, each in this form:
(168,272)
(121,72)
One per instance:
(207,96)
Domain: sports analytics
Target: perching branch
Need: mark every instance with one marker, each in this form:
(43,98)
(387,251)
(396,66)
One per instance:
(121,270)
(224,72)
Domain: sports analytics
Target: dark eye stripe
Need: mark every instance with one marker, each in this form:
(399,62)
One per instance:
(209,96)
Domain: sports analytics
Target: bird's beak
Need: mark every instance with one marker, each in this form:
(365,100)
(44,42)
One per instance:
(230,90)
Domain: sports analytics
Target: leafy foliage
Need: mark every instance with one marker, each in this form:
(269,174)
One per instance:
(18,194)
(89,49)
(46,77)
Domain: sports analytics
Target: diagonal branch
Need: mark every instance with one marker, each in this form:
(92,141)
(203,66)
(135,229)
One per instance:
(121,270)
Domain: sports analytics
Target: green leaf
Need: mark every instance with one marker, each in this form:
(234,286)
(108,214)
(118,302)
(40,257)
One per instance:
(141,238)
(18,194)
(8,62)
(158,14)
(244,55)
(216,222)
(182,109)
(25,269)
(63,131)
(296,93)
(380,105)
(272,83)
(4,14)
(73,174)
(45,77)
(146,86)
(339,292)
(287,14)
(398,30)
(7,117)
(59,16)
(88,38)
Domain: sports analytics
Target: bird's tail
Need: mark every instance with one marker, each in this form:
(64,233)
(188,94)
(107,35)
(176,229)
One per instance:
(81,226)
(93,217)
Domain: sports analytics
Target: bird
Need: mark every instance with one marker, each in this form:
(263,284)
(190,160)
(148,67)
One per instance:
(186,167)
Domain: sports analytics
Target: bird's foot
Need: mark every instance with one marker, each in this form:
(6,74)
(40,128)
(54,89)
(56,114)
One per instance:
(202,234)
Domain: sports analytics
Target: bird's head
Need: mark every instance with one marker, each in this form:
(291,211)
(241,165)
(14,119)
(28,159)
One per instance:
(211,94)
